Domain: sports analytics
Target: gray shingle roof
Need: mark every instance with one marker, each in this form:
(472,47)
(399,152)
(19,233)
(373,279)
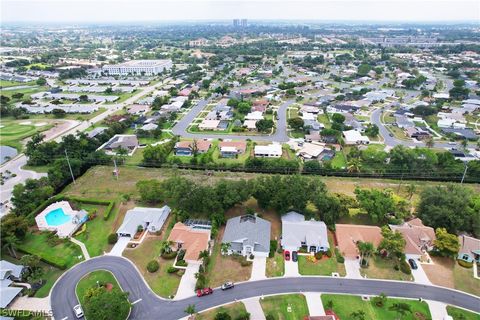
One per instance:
(248,230)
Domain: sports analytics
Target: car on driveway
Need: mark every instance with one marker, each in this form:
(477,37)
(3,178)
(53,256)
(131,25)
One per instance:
(294,256)
(412,264)
(227,285)
(204,292)
(78,311)
(286,254)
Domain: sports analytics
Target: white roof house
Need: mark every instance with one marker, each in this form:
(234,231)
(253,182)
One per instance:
(255,115)
(9,272)
(311,150)
(298,232)
(151,219)
(354,137)
(273,150)
(209,124)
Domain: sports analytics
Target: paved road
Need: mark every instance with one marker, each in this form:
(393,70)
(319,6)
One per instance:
(280,134)
(150,306)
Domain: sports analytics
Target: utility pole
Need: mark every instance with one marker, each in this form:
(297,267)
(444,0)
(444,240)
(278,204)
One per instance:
(464,172)
(69,166)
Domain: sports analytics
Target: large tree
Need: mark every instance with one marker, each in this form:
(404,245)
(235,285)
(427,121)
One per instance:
(393,242)
(101,304)
(446,244)
(378,204)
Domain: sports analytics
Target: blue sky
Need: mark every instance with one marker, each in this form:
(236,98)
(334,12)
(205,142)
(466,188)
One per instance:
(167,10)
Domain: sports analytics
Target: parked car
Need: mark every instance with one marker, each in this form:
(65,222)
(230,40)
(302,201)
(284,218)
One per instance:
(204,292)
(78,311)
(294,256)
(413,264)
(286,254)
(227,285)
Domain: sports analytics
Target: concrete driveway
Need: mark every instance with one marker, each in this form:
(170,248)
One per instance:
(352,267)
(119,246)
(418,274)
(186,288)
(291,269)
(258,268)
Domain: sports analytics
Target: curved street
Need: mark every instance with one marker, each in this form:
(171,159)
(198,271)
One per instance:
(150,306)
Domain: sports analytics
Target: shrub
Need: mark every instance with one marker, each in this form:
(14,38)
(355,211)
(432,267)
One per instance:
(338,255)
(245,263)
(181,263)
(109,209)
(201,269)
(270,317)
(172,269)
(169,256)
(329,253)
(251,256)
(280,250)
(112,238)
(405,267)
(318,255)
(396,267)
(222,315)
(273,248)
(243,315)
(302,250)
(181,254)
(465,264)
(153,266)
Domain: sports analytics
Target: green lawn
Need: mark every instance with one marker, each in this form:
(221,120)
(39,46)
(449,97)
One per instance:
(66,252)
(344,305)
(7,84)
(275,266)
(324,267)
(27,92)
(464,280)
(90,281)
(232,309)
(323,118)
(98,229)
(12,132)
(339,160)
(240,160)
(460,314)
(285,307)
(380,268)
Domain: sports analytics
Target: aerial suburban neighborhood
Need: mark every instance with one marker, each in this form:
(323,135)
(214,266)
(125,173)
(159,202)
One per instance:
(214,166)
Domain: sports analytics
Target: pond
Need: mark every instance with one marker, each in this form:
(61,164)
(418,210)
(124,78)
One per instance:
(7,153)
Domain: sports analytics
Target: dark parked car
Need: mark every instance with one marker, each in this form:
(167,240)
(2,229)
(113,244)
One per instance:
(294,256)
(227,285)
(286,254)
(204,292)
(413,264)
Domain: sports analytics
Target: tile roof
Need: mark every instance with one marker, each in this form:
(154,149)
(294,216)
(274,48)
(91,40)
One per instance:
(193,240)
(349,234)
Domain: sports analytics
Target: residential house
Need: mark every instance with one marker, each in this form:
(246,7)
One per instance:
(251,125)
(298,232)
(247,234)
(9,274)
(151,219)
(213,125)
(353,137)
(260,105)
(231,149)
(255,115)
(96,131)
(419,238)
(417,133)
(138,109)
(469,249)
(190,238)
(127,142)
(311,151)
(273,150)
(188,148)
(348,236)
(149,127)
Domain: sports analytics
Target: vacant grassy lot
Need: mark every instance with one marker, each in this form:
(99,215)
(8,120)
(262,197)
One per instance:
(460,314)
(285,307)
(233,309)
(66,252)
(344,305)
(90,281)
(380,268)
(98,182)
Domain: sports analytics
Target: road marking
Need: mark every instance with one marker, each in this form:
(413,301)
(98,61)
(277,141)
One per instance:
(134,302)
(65,318)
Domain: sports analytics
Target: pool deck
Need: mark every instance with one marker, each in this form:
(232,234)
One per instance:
(64,230)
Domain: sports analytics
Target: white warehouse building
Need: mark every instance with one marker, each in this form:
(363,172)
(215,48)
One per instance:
(147,67)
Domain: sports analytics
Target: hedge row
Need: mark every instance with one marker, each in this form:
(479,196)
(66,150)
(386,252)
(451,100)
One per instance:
(109,209)
(47,260)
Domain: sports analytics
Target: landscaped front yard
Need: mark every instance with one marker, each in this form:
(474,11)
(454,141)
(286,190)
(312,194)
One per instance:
(344,305)
(323,267)
(285,307)
(460,314)
(275,266)
(381,268)
(232,309)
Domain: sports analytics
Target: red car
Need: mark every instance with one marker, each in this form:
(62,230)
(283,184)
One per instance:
(286,254)
(204,292)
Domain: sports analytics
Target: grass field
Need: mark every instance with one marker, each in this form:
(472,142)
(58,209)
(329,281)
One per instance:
(380,268)
(8,84)
(285,307)
(90,281)
(460,314)
(344,305)
(12,132)
(26,92)
(99,182)
(324,267)
(232,309)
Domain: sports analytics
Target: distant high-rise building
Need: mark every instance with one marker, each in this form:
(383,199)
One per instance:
(243,23)
(240,23)
(236,22)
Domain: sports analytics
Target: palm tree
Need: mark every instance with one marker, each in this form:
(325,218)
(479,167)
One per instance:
(190,309)
(357,315)
(166,246)
(366,249)
(11,242)
(411,189)
(225,247)
(203,254)
(354,165)
(430,143)
(329,305)
(401,308)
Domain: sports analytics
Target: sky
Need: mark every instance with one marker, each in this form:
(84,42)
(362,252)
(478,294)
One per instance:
(90,11)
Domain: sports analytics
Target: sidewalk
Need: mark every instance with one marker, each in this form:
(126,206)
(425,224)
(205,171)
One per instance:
(438,310)
(82,246)
(314,302)
(254,308)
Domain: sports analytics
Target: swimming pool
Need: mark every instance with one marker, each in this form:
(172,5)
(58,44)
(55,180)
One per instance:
(57,217)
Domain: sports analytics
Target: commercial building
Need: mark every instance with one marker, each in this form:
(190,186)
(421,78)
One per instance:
(146,67)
